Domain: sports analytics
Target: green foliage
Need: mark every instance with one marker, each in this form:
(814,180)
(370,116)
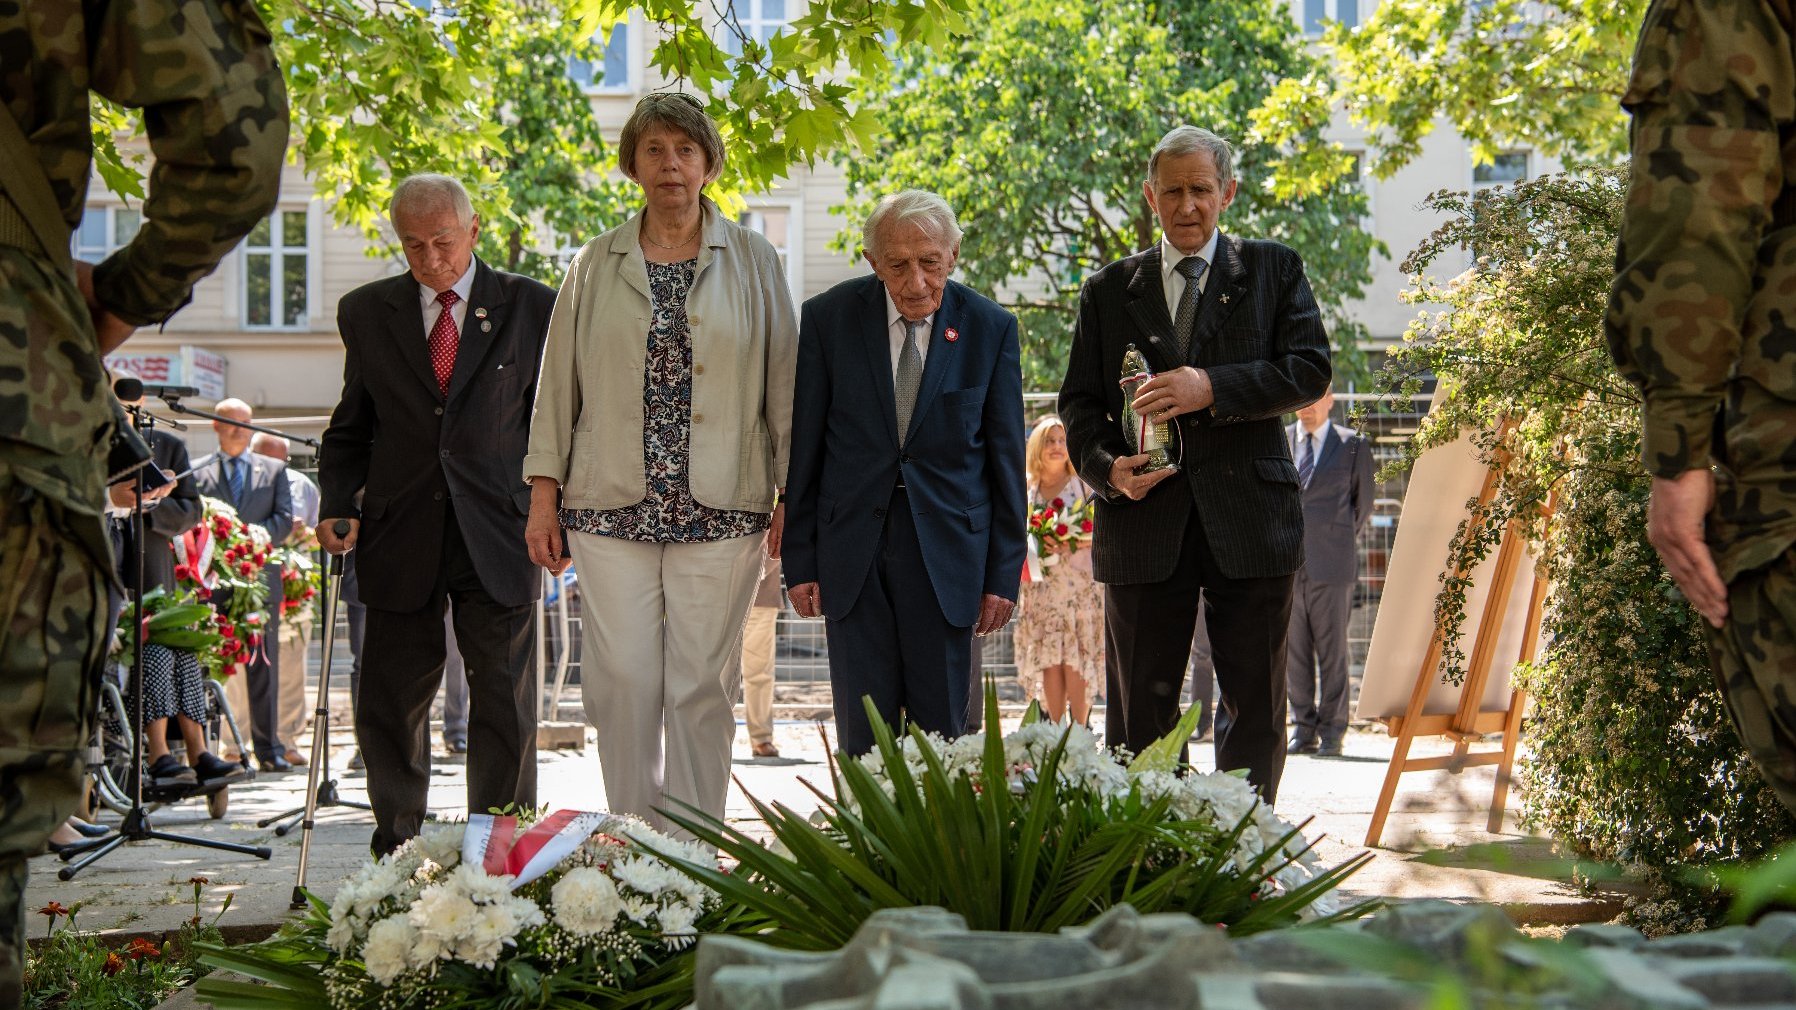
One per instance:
(1037,125)
(1542,74)
(1035,853)
(75,970)
(1634,759)
(479,89)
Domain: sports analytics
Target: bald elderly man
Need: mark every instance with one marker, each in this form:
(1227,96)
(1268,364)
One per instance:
(257,488)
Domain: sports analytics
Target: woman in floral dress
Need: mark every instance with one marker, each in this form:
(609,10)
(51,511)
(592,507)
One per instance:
(1059,632)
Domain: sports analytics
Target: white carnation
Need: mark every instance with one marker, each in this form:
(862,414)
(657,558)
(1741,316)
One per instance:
(586,902)
(442,911)
(389,942)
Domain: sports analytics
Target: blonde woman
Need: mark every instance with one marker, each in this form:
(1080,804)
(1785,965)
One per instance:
(1060,619)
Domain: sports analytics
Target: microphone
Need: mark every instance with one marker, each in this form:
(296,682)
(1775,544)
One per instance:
(129,388)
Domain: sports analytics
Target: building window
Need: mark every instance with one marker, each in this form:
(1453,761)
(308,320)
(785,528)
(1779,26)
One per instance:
(779,224)
(612,72)
(1359,179)
(1316,12)
(756,19)
(1505,170)
(276,271)
(104,231)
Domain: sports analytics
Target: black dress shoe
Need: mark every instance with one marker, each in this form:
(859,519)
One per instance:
(1329,749)
(274,763)
(1302,745)
(168,773)
(90,830)
(66,851)
(213,769)
(456,745)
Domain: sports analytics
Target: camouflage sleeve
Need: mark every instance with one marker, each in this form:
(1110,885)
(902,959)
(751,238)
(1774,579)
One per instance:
(1712,86)
(215,110)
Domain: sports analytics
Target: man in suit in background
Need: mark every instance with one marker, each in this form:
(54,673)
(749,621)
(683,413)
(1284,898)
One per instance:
(1233,335)
(257,488)
(438,380)
(294,645)
(905,514)
(1334,466)
(174,514)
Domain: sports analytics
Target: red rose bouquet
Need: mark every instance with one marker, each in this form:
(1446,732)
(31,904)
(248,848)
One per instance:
(1056,524)
(174,621)
(223,558)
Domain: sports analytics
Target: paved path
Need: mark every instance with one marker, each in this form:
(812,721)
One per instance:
(144,887)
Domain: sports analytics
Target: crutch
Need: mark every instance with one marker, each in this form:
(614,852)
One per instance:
(320,793)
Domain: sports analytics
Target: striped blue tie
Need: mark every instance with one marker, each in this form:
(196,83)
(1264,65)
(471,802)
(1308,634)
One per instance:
(235,475)
(1306,460)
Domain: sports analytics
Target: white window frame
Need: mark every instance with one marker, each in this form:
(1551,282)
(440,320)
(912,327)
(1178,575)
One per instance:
(751,25)
(1331,11)
(94,254)
(794,208)
(632,60)
(312,251)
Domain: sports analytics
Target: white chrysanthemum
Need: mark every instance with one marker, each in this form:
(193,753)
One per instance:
(586,902)
(442,845)
(677,925)
(443,911)
(389,942)
(480,887)
(639,911)
(650,876)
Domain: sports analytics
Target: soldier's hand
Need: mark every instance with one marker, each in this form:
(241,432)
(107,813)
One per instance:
(1674,526)
(334,544)
(1124,479)
(111,330)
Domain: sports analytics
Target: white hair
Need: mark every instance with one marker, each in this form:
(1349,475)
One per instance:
(927,211)
(1190,140)
(429,190)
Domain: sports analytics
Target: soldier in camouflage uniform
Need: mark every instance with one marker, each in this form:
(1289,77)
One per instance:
(1702,318)
(216,114)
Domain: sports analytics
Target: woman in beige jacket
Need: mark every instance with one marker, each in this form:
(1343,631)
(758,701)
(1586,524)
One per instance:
(659,442)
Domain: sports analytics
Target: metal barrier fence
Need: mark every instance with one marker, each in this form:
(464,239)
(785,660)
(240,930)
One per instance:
(802,654)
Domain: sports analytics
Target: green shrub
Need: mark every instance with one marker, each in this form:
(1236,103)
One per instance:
(1632,755)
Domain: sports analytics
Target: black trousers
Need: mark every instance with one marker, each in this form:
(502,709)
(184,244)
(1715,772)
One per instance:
(403,656)
(896,647)
(1147,644)
(263,676)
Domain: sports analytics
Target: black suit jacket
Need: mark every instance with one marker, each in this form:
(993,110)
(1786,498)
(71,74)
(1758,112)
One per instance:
(961,462)
(1336,505)
(1260,338)
(394,436)
(174,515)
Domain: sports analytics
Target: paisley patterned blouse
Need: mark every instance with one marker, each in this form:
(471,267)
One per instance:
(667,513)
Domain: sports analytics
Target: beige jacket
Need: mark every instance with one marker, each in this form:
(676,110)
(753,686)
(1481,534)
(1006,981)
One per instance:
(586,432)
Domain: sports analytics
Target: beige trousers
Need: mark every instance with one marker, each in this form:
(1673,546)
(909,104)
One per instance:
(757,672)
(237,696)
(659,625)
(291,706)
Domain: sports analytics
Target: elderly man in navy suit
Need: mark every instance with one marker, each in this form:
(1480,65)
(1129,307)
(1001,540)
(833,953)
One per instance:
(1334,467)
(905,506)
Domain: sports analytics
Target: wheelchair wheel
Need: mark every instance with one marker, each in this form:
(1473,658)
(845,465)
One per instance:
(218,803)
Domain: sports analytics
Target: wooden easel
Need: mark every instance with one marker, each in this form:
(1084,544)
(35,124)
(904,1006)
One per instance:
(1468,723)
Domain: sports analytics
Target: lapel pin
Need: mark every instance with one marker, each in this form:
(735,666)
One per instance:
(951,334)
(1225,299)
(480,313)
(486,326)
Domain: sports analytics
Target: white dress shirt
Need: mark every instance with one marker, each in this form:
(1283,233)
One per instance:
(427,301)
(895,333)
(306,496)
(1173,281)
(1320,437)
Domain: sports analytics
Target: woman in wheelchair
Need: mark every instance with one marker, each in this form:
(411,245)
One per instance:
(174,688)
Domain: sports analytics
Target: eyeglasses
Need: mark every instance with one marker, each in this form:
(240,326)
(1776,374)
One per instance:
(668,96)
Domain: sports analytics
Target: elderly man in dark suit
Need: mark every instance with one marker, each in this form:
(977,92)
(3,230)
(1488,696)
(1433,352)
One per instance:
(905,505)
(1334,466)
(257,488)
(1233,335)
(438,379)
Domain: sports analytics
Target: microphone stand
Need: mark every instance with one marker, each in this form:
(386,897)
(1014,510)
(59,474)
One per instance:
(136,826)
(174,403)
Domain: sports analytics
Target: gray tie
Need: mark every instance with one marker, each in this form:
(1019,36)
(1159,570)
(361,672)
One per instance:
(909,378)
(1306,460)
(1184,323)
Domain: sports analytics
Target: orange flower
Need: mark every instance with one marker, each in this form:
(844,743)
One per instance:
(141,948)
(114,964)
(53,909)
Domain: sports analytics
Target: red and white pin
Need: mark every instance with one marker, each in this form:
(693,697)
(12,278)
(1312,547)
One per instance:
(951,334)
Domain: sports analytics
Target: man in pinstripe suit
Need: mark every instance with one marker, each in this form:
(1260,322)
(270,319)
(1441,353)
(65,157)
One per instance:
(1233,335)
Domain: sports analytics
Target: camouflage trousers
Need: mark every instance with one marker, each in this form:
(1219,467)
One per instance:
(1754,658)
(53,612)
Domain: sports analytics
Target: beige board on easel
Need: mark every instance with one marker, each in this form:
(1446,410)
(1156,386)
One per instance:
(1402,685)
(1443,481)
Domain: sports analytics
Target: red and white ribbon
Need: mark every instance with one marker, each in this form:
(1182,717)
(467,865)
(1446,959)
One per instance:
(493,843)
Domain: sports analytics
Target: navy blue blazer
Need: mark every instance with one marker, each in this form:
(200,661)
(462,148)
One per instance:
(962,465)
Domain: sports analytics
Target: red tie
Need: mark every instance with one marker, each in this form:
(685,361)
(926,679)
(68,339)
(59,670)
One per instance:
(443,340)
